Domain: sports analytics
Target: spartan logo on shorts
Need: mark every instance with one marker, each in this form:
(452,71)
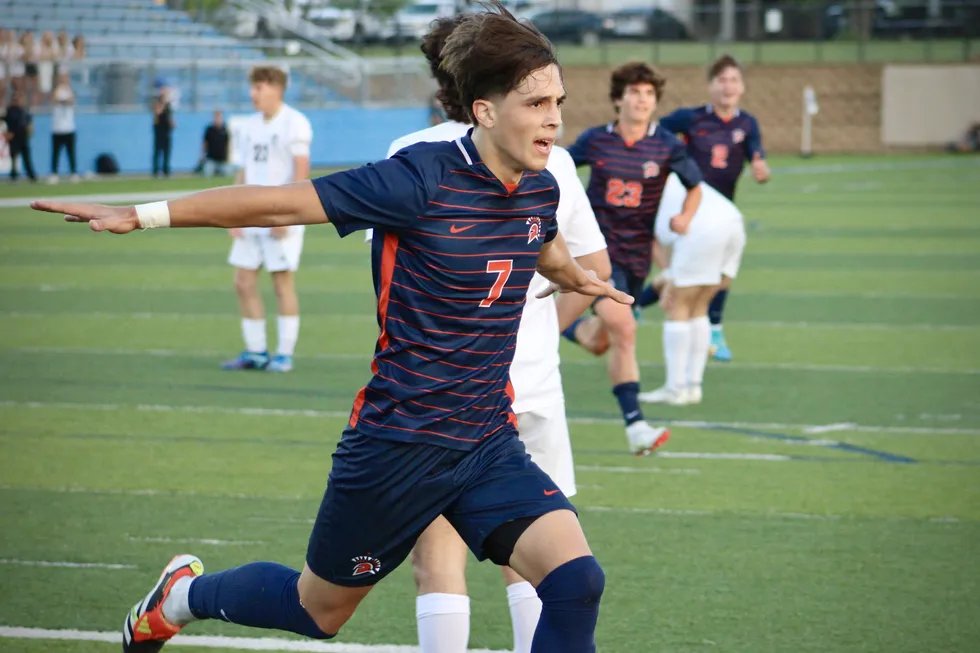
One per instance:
(534,229)
(738,135)
(365,565)
(650,169)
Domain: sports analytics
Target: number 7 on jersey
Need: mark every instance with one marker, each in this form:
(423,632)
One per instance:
(502,269)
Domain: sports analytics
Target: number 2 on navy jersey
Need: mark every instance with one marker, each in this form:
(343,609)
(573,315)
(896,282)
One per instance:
(623,193)
(502,269)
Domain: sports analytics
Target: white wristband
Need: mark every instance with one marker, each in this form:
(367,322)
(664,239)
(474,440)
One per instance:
(153,215)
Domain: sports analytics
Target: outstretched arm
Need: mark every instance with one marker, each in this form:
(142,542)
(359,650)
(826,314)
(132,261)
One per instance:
(228,207)
(556,264)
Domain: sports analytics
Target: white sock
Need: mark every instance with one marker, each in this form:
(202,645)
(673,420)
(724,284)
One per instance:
(443,622)
(700,341)
(177,607)
(253,332)
(525,609)
(288,334)
(677,346)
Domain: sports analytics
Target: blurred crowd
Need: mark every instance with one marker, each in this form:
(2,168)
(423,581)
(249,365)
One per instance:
(30,64)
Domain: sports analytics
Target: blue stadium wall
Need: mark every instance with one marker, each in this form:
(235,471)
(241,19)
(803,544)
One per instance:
(340,136)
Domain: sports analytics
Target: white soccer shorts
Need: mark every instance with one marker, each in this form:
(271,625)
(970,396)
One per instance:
(702,256)
(254,250)
(544,433)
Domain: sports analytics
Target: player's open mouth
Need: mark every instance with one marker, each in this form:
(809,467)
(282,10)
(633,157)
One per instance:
(543,145)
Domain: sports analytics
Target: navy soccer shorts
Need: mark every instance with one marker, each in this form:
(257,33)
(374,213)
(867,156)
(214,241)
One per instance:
(382,494)
(623,279)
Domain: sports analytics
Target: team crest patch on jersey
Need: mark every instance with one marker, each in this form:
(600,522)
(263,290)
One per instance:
(650,169)
(534,229)
(365,565)
(738,135)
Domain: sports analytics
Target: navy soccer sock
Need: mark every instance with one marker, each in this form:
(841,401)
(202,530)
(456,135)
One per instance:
(569,607)
(717,307)
(626,394)
(260,594)
(569,331)
(648,297)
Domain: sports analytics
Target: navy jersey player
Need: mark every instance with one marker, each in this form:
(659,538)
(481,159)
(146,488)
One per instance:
(722,139)
(630,160)
(460,229)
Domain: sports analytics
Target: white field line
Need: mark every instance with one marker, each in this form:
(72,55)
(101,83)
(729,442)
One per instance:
(801,367)
(697,455)
(18,202)
(213,641)
(637,470)
(829,428)
(64,564)
(208,541)
(296,412)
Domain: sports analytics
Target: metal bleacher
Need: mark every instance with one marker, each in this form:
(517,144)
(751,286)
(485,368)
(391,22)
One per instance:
(132,46)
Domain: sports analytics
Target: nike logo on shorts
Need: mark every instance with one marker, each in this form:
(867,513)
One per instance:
(458,230)
(549,493)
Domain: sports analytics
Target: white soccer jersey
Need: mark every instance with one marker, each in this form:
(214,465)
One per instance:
(266,148)
(715,210)
(534,372)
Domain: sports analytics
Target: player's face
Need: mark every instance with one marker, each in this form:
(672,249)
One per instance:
(638,103)
(523,125)
(266,97)
(726,88)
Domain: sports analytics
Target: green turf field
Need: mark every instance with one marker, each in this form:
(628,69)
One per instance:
(824,497)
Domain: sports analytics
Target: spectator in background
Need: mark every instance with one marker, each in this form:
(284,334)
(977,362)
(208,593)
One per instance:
(214,149)
(20,125)
(29,54)
(13,52)
(65,51)
(4,65)
(46,57)
(78,54)
(63,126)
(163,127)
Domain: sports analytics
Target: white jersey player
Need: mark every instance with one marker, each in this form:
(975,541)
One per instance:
(273,148)
(709,250)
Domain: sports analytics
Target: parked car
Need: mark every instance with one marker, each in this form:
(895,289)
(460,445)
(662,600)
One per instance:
(570,26)
(904,20)
(352,25)
(646,23)
(413,22)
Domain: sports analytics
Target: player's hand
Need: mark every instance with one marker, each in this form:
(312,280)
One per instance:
(236,232)
(667,297)
(680,223)
(279,232)
(591,285)
(114,219)
(760,169)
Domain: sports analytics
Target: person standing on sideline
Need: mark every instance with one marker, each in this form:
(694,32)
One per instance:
(214,148)
(163,128)
(63,126)
(460,229)
(274,148)
(722,139)
(20,127)
(629,161)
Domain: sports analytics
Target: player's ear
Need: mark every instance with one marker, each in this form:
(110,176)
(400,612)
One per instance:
(484,113)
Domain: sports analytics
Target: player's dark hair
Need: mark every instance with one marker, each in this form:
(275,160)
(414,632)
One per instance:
(490,52)
(721,64)
(269,75)
(634,72)
(432,44)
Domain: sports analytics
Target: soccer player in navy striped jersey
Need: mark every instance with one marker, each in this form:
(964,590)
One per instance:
(460,228)
(721,138)
(630,159)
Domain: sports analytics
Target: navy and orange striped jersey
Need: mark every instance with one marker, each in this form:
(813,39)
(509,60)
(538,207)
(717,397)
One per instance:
(453,253)
(625,186)
(720,147)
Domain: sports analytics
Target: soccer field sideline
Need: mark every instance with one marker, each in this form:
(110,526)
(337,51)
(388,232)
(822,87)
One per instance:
(212,641)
